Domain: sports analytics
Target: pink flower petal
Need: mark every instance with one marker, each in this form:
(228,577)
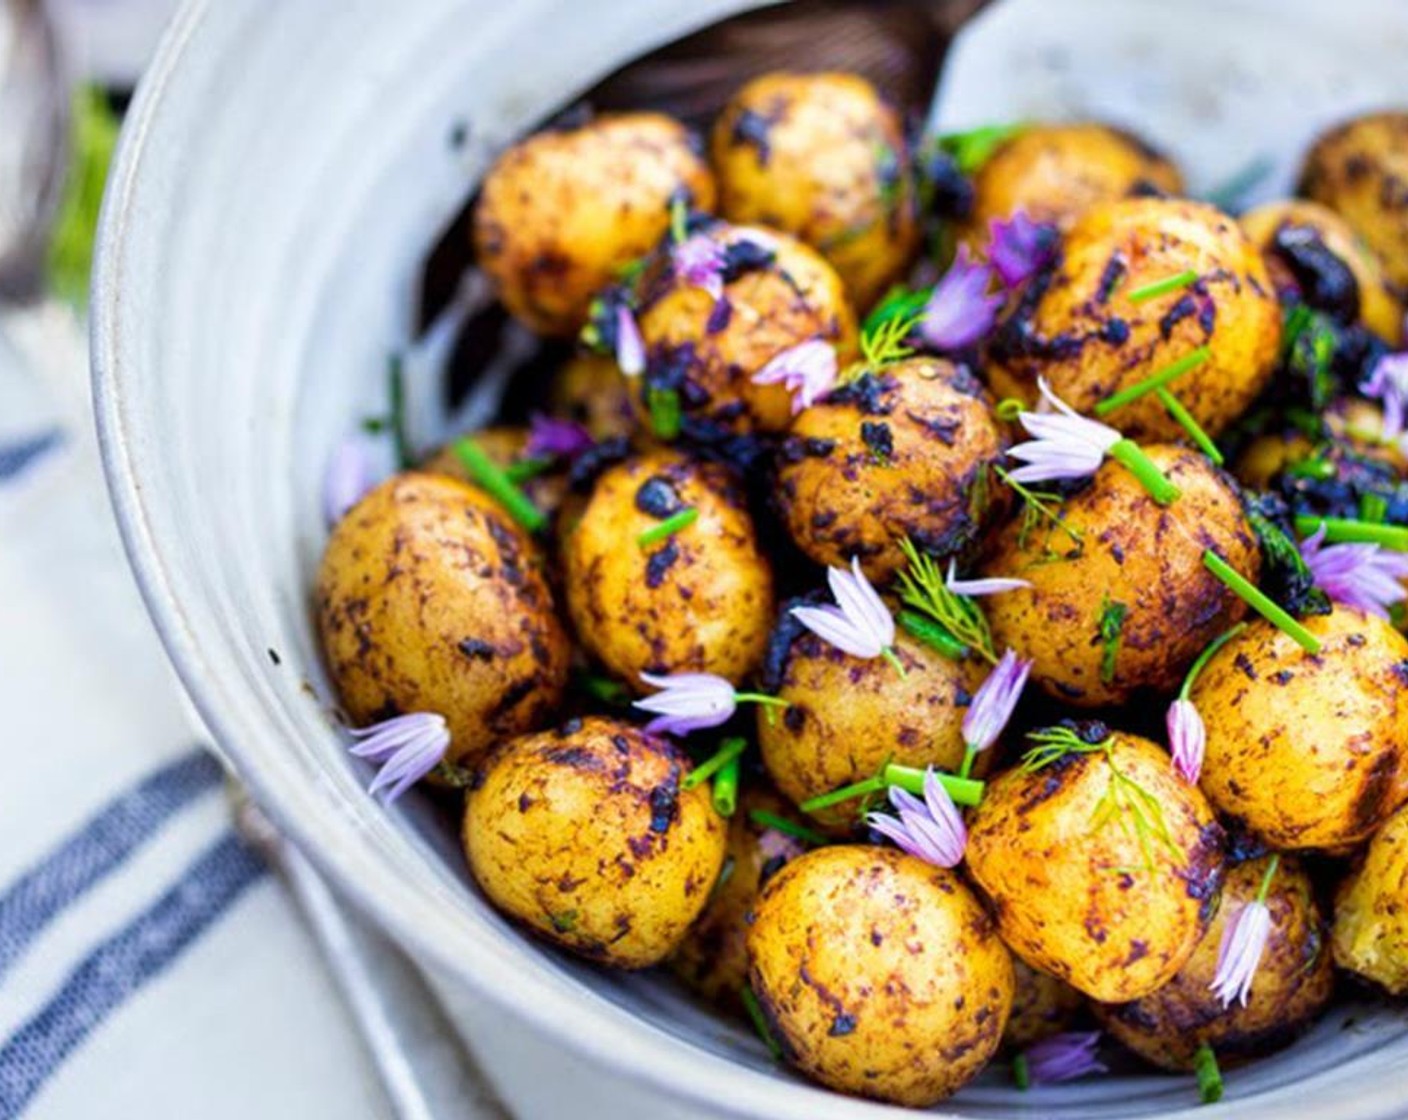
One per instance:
(1187,739)
(995,701)
(1239,953)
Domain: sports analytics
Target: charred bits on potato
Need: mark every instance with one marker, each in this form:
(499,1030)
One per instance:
(1042,1006)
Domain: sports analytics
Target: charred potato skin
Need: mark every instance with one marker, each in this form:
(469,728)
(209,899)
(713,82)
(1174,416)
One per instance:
(824,158)
(1077,325)
(1134,554)
(1082,903)
(591,390)
(1042,1006)
(880,975)
(707,351)
(1360,170)
(586,836)
(429,598)
(561,212)
(1371,911)
(1055,173)
(699,601)
(1307,751)
(847,717)
(1294,982)
(905,452)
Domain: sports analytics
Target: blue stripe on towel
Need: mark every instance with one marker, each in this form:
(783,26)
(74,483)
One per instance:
(98,847)
(16,456)
(120,966)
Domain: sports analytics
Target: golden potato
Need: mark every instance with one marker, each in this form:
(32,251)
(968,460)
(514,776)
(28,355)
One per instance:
(585,835)
(880,975)
(1308,751)
(779,294)
(701,600)
(847,717)
(430,599)
(1081,328)
(1103,865)
(713,960)
(1055,173)
(905,452)
(561,212)
(1371,911)
(1042,1006)
(1268,455)
(1293,982)
(1130,605)
(1315,255)
(591,390)
(505,447)
(824,158)
(1360,170)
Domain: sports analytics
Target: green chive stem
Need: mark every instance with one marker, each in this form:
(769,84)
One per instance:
(1260,602)
(1146,292)
(492,479)
(728,750)
(669,527)
(845,793)
(679,219)
(889,654)
(964,791)
(1170,372)
(1021,1075)
(526,469)
(1209,1075)
(1373,508)
(1344,530)
(664,407)
(1185,420)
(760,698)
(1146,471)
(396,392)
(1207,655)
(760,1022)
(970,756)
(726,788)
(932,634)
(1271,869)
(790,828)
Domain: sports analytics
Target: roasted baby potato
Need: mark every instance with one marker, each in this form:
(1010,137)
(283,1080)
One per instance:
(1360,170)
(1315,257)
(713,960)
(1268,455)
(1293,982)
(903,452)
(561,212)
(700,600)
(1308,751)
(778,293)
(591,390)
(879,974)
(824,158)
(1371,911)
(508,448)
(1055,173)
(1042,1006)
(1120,601)
(586,836)
(847,717)
(1086,326)
(1101,863)
(430,599)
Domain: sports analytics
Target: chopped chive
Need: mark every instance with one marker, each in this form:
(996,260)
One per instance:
(726,788)
(669,527)
(760,1023)
(1320,469)
(974,147)
(664,406)
(605,689)
(1207,655)
(396,418)
(1009,408)
(525,470)
(1146,292)
(964,791)
(1344,530)
(679,218)
(1185,419)
(932,634)
(1260,602)
(1373,508)
(491,478)
(1230,194)
(845,793)
(1209,1076)
(1021,1075)
(789,828)
(728,750)
(1112,616)
(1146,471)
(1157,380)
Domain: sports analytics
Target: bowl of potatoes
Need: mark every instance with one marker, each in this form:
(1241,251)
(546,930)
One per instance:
(791,587)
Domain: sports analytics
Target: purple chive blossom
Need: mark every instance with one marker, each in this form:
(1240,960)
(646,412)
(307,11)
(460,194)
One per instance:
(630,347)
(860,624)
(808,371)
(1388,384)
(688,702)
(971,587)
(699,261)
(995,701)
(1064,1057)
(406,748)
(550,438)
(352,470)
(1239,953)
(1362,576)
(931,829)
(960,312)
(1187,739)
(1067,445)
(1020,248)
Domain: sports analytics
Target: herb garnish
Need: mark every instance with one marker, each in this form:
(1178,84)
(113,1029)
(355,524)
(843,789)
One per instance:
(1112,617)
(923,588)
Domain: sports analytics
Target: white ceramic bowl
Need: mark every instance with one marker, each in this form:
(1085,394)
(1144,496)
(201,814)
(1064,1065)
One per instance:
(284,168)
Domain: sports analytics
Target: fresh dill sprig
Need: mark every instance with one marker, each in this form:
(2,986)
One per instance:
(1039,506)
(923,588)
(885,344)
(1053,744)
(1112,616)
